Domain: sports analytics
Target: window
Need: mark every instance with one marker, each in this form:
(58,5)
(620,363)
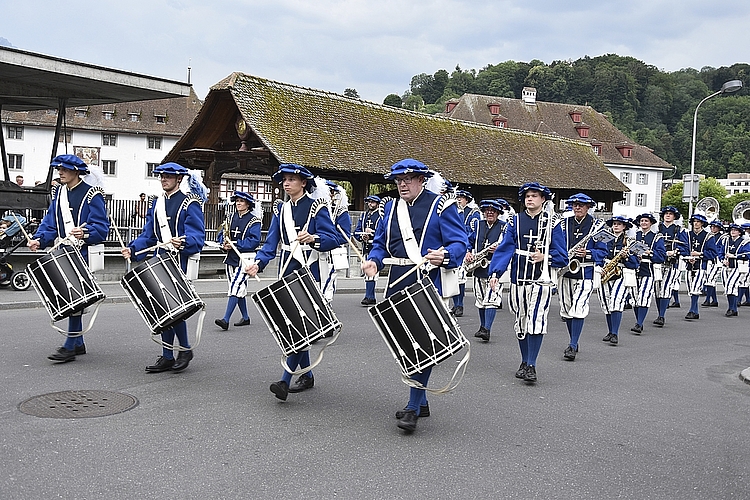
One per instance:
(80,113)
(161,119)
(109,167)
(108,115)
(597,149)
(640,200)
(642,179)
(269,187)
(625,177)
(15,132)
(626,200)
(67,137)
(150,170)
(15,162)
(252,186)
(231,185)
(109,139)
(154,142)
(134,117)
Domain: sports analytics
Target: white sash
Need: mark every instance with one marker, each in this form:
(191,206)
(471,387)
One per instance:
(65,210)
(291,232)
(407,232)
(160,208)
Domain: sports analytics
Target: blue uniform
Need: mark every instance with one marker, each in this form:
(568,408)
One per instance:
(612,293)
(645,275)
(86,206)
(184,218)
(370,220)
(487,300)
(734,275)
(338,258)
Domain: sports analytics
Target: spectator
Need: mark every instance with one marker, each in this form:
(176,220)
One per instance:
(19,180)
(139,212)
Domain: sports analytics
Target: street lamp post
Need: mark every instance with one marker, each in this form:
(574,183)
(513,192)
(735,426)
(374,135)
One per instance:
(727,88)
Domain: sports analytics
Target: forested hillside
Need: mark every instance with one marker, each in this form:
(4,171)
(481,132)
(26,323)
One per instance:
(652,107)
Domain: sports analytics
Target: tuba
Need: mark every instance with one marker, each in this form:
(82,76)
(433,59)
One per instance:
(709,207)
(741,212)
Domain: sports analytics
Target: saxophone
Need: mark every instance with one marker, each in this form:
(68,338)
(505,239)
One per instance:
(481,259)
(574,264)
(612,268)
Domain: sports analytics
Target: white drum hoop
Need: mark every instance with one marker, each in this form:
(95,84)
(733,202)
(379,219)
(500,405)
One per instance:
(295,311)
(64,282)
(161,293)
(417,327)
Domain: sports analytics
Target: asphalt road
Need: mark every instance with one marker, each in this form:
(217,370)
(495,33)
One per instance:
(662,415)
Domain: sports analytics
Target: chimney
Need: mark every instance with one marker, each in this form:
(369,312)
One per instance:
(528,94)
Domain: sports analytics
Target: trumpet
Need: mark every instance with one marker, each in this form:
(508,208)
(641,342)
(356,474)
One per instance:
(481,258)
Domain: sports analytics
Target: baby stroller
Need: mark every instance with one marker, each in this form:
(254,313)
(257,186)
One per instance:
(9,243)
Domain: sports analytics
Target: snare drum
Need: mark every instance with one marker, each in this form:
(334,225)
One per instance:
(64,282)
(295,312)
(161,293)
(417,327)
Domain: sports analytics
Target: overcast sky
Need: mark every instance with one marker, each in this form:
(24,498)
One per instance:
(374,46)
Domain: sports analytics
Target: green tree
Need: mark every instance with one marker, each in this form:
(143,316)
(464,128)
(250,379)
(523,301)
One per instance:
(351,93)
(392,100)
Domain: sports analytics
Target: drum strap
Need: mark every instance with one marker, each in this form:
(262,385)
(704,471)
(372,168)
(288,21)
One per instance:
(65,210)
(407,232)
(291,233)
(88,327)
(156,337)
(165,234)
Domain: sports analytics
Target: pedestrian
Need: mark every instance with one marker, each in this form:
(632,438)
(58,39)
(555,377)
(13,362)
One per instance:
(650,273)
(139,211)
(419,226)
(715,266)
(533,245)
(364,232)
(676,244)
(483,241)
(471,215)
(735,253)
(331,263)
(175,221)
(241,233)
(576,285)
(76,213)
(303,226)
(702,251)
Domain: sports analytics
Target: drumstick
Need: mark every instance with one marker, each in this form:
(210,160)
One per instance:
(119,236)
(150,249)
(354,247)
(73,240)
(403,277)
(23,230)
(242,261)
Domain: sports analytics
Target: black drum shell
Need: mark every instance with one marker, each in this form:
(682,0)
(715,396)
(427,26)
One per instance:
(64,282)
(161,293)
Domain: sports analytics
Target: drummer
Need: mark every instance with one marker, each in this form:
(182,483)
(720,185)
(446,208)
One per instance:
(175,221)
(434,221)
(244,231)
(78,212)
(304,227)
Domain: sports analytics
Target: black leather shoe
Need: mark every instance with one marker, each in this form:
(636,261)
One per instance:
(744,304)
(530,375)
(80,349)
(182,361)
(628,306)
(458,311)
(659,321)
(569,353)
(63,355)
(674,305)
(613,340)
(368,302)
(483,334)
(692,315)
(408,422)
(730,313)
(221,324)
(424,411)
(713,304)
(162,364)
(521,372)
(280,389)
(303,383)
(242,322)
(607,338)
(637,329)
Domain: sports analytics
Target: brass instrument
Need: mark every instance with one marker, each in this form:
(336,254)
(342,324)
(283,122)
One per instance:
(481,259)
(612,268)
(574,264)
(709,207)
(548,276)
(741,212)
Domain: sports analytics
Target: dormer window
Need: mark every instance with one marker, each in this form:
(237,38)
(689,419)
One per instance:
(626,150)
(528,94)
(134,116)
(81,112)
(500,121)
(597,147)
(575,116)
(160,118)
(108,115)
(494,108)
(583,130)
(449,106)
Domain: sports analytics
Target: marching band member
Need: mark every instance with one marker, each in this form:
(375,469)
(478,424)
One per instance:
(646,281)
(244,231)
(77,212)
(471,216)
(676,244)
(338,258)
(531,245)
(304,227)
(714,266)
(734,252)
(613,292)
(366,227)
(486,236)
(177,219)
(702,250)
(575,288)
(743,292)
(420,225)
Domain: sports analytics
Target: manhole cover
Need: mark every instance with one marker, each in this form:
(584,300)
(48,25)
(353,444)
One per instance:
(78,404)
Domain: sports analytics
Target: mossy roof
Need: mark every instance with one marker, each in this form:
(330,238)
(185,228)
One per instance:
(323,130)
